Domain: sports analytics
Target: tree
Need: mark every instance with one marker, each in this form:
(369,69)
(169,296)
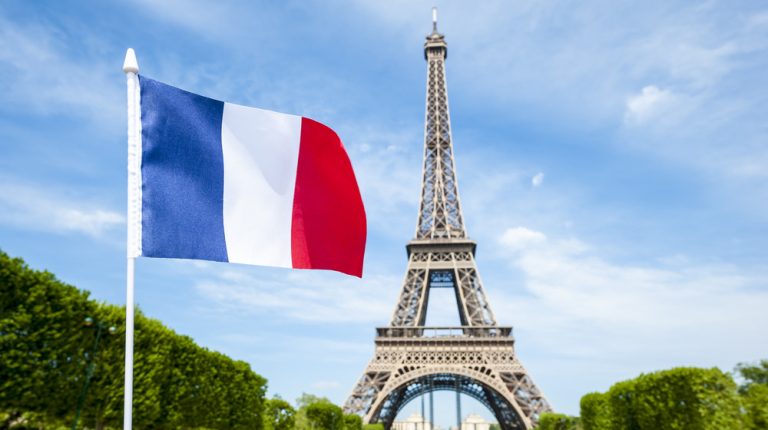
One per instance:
(689,398)
(753,373)
(353,422)
(681,398)
(754,394)
(307,399)
(622,406)
(595,412)
(755,403)
(279,415)
(553,421)
(324,415)
(302,403)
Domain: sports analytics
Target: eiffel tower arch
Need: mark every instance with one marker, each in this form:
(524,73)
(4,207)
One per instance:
(476,358)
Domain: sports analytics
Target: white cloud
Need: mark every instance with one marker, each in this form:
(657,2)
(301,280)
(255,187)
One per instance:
(521,238)
(537,179)
(196,15)
(600,309)
(387,167)
(647,105)
(759,19)
(38,73)
(296,295)
(34,209)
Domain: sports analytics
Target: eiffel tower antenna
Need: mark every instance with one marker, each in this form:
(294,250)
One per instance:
(478,357)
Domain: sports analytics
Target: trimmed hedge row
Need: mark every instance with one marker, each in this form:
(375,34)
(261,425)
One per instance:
(554,421)
(678,399)
(45,351)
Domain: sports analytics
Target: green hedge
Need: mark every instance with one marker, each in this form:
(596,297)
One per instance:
(677,399)
(755,403)
(45,349)
(595,413)
(554,421)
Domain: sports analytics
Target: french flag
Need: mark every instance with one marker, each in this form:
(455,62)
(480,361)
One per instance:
(224,182)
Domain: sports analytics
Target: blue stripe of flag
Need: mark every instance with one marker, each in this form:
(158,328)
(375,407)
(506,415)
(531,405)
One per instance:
(182,169)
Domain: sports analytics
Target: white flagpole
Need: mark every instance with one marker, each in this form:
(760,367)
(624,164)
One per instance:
(131,69)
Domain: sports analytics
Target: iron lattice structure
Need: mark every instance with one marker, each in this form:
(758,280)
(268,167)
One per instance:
(478,358)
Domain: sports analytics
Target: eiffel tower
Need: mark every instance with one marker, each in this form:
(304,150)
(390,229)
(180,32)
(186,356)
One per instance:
(478,358)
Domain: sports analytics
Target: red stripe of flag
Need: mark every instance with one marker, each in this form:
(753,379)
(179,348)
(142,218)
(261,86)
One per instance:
(328,229)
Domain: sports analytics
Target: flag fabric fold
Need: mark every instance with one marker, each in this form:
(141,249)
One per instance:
(231,183)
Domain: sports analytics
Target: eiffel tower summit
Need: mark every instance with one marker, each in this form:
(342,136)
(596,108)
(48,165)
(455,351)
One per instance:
(477,358)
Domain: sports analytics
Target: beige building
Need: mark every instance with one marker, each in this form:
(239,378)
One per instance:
(413,422)
(417,422)
(475,422)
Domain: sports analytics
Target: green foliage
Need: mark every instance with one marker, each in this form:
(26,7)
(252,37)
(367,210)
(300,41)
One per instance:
(353,422)
(688,398)
(595,413)
(302,403)
(553,421)
(621,401)
(318,413)
(676,399)
(324,415)
(754,394)
(279,415)
(42,344)
(755,404)
(753,374)
(45,350)
(307,399)
(377,426)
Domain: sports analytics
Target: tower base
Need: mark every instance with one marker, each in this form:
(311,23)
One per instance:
(477,361)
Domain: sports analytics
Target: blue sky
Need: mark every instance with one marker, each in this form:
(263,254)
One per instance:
(612,161)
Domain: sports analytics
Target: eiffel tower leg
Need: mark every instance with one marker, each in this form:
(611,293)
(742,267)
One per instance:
(473,296)
(396,402)
(411,308)
(365,392)
(527,395)
(495,408)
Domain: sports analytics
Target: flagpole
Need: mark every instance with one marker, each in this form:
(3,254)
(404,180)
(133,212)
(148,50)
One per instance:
(131,69)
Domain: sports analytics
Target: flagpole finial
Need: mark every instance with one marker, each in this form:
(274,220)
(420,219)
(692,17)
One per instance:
(130,65)
(434,19)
